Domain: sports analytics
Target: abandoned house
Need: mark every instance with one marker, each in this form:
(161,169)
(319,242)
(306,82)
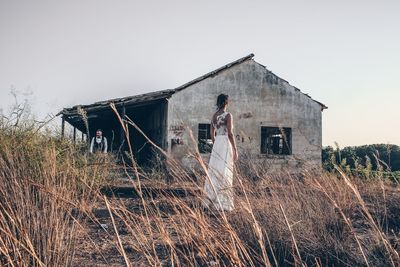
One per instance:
(273,120)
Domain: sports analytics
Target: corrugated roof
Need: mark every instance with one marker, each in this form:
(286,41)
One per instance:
(130,100)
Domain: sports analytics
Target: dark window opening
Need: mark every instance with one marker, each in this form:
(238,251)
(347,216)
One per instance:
(204,138)
(276,141)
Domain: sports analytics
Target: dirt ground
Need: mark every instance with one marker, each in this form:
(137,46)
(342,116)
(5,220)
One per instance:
(97,243)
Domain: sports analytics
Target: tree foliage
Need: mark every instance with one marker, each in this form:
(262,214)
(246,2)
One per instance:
(365,159)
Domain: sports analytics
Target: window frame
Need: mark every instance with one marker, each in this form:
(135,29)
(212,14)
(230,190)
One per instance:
(271,145)
(204,145)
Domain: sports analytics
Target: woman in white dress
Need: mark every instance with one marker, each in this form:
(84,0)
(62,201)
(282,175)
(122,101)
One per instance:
(218,186)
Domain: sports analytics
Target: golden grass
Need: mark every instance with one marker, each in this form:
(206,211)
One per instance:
(54,213)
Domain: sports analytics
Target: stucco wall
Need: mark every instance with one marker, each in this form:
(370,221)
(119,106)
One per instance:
(257,98)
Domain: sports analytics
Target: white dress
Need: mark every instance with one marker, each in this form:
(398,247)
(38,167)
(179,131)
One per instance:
(218,185)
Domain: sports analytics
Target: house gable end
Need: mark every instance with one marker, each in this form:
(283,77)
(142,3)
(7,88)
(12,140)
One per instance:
(270,76)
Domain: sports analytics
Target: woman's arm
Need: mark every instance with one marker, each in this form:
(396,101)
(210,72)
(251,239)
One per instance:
(229,126)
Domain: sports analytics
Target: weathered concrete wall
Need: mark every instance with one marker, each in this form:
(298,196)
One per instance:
(257,98)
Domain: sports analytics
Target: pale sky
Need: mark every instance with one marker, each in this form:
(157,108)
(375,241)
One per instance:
(345,54)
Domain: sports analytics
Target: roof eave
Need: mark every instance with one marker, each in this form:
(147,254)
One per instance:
(118,102)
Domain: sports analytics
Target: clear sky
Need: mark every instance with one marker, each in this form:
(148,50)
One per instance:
(345,54)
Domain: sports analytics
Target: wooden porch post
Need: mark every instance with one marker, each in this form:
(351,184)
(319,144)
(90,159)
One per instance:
(122,133)
(74,135)
(62,126)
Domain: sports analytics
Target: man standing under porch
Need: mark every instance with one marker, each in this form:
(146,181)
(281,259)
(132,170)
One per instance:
(98,143)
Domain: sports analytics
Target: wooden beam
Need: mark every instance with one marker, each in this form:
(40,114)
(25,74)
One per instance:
(62,126)
(164,123)
(74,135)
(121,130)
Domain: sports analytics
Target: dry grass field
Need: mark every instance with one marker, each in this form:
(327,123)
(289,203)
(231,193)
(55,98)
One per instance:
(60,207)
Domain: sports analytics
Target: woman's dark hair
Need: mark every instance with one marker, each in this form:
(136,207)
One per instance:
(222,101)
